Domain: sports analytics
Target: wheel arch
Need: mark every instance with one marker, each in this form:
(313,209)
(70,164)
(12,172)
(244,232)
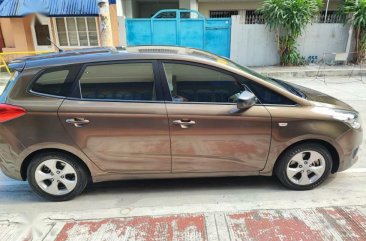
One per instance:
(332,150)
(29,158)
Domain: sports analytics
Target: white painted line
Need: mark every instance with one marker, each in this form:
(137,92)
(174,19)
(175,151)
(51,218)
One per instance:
(55,230)
(355,170)
(222,226)
(211,228)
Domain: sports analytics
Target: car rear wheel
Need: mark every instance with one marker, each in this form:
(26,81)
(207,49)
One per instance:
(304,166)
(56,176)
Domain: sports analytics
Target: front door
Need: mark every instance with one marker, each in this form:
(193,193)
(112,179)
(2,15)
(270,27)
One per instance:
(120,122)
(41,33)
(208,134)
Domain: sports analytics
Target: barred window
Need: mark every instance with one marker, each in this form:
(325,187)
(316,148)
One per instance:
(223,13)
(332,17)
(253,17)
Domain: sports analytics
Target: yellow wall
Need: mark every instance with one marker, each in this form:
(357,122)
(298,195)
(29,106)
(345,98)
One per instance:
(17,34)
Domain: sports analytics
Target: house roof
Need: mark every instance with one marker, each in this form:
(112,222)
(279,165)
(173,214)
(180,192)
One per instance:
(52,8)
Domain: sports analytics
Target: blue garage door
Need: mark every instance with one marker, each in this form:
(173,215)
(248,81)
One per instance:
(186,28)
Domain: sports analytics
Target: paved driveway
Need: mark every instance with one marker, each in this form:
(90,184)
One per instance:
(249,208)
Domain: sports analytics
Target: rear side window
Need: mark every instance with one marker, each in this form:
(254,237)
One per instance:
(121,81)
(56,81)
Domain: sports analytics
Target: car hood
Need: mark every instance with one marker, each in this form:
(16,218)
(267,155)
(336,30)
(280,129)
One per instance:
(321,99)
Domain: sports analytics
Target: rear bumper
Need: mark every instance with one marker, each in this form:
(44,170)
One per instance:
(350,143)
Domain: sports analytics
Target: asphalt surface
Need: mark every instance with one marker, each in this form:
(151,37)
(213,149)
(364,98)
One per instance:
(245,208)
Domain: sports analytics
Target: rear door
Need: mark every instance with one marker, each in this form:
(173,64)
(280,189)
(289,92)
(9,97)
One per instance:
(120,121)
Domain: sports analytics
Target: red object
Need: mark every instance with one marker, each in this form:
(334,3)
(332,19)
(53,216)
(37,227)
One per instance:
(10,112)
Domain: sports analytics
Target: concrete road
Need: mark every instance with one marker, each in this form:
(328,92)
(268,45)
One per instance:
(249,208)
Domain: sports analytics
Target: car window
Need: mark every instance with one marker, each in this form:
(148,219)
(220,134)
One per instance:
(190,83)
(127,81)
(267,96)
(51,82)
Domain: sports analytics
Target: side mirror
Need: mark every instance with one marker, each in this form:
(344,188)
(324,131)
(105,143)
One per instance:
(246,100)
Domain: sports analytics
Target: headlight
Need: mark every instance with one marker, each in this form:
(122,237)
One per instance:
(351,118)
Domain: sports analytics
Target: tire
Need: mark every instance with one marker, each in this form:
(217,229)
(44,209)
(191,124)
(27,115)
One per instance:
(297,170)
(57,176)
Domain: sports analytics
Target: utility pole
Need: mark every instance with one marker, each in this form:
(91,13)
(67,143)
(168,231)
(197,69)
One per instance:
(105,23)
(326,12)
(350,34)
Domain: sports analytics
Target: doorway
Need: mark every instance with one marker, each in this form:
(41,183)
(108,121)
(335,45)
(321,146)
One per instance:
(41,32)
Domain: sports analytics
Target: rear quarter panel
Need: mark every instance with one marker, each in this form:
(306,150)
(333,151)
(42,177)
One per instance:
(38,129)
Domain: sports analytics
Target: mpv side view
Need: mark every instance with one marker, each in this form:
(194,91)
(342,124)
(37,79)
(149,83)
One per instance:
(161,112)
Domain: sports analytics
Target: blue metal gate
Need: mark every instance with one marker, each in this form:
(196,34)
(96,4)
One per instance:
(186,28)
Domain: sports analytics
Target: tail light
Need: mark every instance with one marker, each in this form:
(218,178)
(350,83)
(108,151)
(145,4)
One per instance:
(10,112)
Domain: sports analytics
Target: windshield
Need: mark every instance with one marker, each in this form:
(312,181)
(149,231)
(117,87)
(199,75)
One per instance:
(222,60)
(279,83)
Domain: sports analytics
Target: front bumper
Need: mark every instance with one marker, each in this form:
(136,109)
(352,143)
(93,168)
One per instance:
(349,143)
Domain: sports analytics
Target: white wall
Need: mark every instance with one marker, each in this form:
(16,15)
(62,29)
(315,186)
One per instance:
(320,38)
(255,45)
(188,4)
(252,44)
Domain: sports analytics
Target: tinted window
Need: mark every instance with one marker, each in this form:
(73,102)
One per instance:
(132,81)
(267,96)
(51,82)
(189,83)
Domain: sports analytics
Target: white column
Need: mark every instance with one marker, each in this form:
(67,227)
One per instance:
(188,4)
(105,23)
(121,23)
(127,8)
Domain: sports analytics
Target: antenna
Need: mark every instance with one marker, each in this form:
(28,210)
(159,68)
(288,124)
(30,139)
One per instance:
(59,49)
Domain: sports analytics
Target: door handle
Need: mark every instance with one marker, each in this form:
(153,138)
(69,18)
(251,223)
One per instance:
(78,122)
(184,123)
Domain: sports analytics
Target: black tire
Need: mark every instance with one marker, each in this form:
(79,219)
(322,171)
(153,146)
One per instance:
(82,175)
(284,160)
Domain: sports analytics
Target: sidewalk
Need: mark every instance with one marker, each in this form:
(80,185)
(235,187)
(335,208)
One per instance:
(312,71)
(331,223)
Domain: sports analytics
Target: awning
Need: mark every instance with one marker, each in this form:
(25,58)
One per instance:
(51,8)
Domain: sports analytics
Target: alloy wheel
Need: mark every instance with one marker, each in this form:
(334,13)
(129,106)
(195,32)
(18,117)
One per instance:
(56,177)
(306,167)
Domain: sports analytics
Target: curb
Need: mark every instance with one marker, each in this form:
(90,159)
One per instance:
(313,73)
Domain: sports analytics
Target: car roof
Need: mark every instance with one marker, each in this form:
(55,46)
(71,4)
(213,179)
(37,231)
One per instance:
(89,55)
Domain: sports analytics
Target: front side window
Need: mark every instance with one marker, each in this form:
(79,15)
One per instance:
(128,81)
(75,32)
(267,96)
(52,82)
(189,83)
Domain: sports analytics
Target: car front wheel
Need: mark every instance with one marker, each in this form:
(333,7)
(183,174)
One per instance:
(304,166)
(56,176)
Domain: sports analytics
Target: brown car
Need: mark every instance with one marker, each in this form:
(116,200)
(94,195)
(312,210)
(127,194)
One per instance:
(165,112)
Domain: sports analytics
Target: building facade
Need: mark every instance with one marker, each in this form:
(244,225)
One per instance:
(71,24)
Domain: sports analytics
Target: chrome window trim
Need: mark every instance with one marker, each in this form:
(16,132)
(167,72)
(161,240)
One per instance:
(219,103)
